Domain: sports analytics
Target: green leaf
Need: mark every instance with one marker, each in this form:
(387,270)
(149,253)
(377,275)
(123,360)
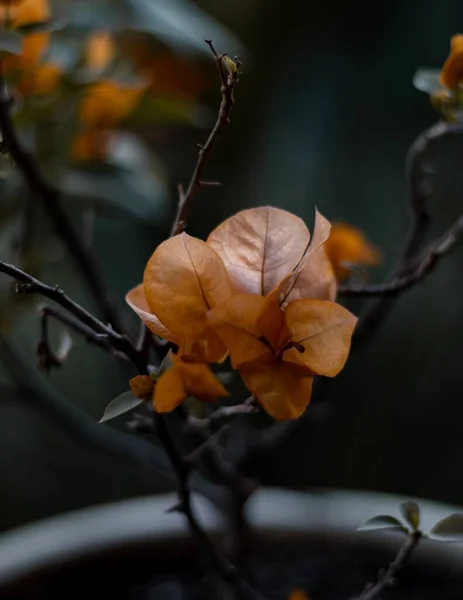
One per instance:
(450,528)
(382,522)
(10,41)
(427,80)
(411,513)
(120,405)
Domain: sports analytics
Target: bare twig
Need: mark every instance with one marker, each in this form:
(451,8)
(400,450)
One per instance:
(50,199)
(223,413)
(227,571)
(417,273)
(228,83)
(29,285)
(387,579)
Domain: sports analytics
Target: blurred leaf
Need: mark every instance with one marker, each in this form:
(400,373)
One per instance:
(120,405)
(411,513)
(10,41)
(181,24)
(130,182)
(86,16)
(427,80)
(450,528)
(382,522)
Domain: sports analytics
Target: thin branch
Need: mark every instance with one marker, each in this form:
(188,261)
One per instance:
(51,201)
(29,285)
(423,267)
(227,571)
(228,83)
(89,335)
(223,413)
(387,579)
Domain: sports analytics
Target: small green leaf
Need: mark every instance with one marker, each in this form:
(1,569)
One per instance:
(411,513)
(120,405)
(382,522)
(427,80)
(10,41)
(450,528)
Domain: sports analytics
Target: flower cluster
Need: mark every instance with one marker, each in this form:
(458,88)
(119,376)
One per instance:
(260,290)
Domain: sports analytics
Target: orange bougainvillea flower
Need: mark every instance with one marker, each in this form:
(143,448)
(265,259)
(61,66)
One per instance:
(142,386)
(451,75)
(269,251)
(183,279)
(278,351)
(185,379)
(347,246)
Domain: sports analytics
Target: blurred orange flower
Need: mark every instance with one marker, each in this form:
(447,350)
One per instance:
(31,76)
(452,72)
(100,50)
(106,103)
(347,246)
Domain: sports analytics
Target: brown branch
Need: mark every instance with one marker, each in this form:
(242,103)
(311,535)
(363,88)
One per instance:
(387,579)
(29,285)
(223,413)
(228,83)
(227,571)
(51,201)
(377,313)
(417,273)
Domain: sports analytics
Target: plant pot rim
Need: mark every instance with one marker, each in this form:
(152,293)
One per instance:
(65,538)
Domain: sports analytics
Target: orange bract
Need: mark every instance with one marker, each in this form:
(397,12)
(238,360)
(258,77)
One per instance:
(278,352)
(185,379)
(266,249)
(142,386)
(452,72)
(347,245)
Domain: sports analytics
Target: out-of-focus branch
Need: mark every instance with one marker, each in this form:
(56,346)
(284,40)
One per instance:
(407,271)
(50,199)
(228,83)
(387,579)
(423,266)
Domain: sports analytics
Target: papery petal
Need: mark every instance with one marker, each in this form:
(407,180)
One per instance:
(137,302)
(198,379)
(243,321)
(210,348)
(169,391)
(279,387)
(324,329)
(100,50)
(183,279)
(313,276)
(142,386)
(260,247)
(25,12)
